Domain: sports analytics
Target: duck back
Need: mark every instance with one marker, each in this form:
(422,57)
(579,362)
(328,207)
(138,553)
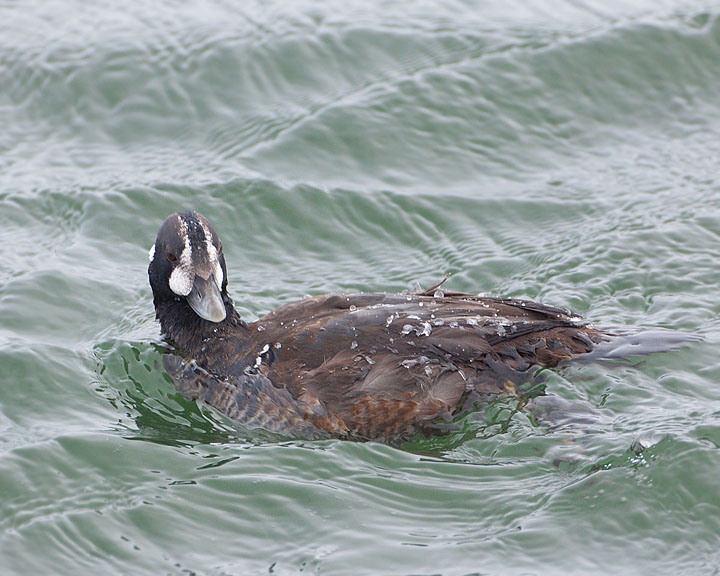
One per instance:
(377,366)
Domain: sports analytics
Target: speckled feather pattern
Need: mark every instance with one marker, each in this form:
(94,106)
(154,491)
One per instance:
(370,366)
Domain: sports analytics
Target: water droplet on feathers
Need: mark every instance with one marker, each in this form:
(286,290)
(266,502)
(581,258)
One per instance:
(424,330)
(415,361)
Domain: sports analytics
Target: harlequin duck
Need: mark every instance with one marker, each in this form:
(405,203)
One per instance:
(360,366)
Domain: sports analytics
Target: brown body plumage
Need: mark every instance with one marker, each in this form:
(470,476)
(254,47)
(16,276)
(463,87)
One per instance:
(367,366)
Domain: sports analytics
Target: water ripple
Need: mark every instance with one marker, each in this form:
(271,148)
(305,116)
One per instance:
(561,150)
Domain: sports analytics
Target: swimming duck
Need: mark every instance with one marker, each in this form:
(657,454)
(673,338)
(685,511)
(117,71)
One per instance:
(363,366)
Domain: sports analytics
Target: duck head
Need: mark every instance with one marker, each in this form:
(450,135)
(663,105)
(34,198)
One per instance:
(187,263)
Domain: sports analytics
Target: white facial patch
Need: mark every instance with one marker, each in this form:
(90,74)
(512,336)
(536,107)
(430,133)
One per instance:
(218,274)
(151,253)
(182,278)
(213,255)
(181,282)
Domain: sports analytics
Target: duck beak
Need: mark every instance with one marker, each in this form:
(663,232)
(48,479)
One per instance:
(206,300)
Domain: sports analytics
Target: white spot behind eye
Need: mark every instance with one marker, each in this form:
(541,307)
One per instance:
(213,254)
(151,253)
(182,277)
(212,251)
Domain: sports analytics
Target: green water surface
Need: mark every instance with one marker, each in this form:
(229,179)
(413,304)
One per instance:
(557,150)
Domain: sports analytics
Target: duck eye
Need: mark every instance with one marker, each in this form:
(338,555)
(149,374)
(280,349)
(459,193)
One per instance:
(171,257)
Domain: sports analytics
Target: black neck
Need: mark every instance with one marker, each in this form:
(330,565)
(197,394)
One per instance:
(189,332)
